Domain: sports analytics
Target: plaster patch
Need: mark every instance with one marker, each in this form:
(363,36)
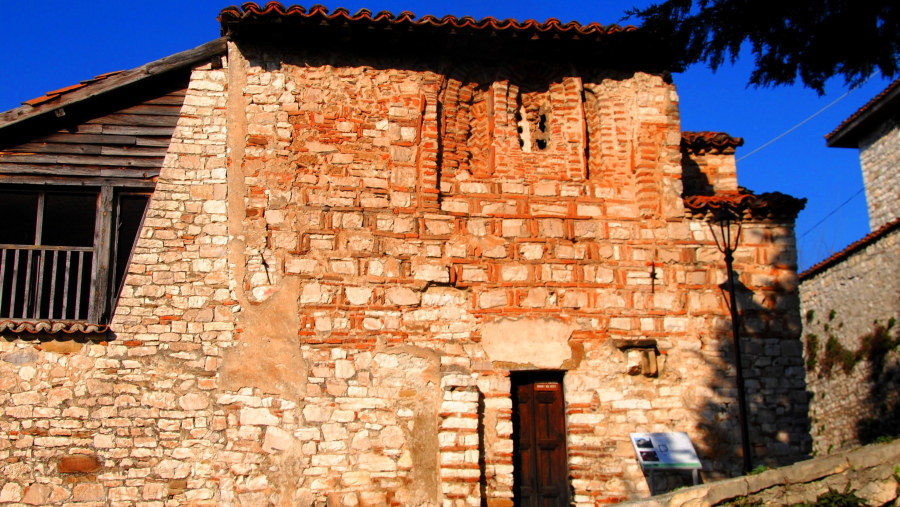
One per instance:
(538,342)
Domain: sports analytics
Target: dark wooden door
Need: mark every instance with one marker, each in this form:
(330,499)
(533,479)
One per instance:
(539,434)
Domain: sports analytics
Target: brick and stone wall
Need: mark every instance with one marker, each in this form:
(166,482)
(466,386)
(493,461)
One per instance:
(855,400)
(344,261)
(879,155)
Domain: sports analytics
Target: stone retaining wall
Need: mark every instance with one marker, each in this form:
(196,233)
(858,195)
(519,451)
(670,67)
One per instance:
(844,305)
(871,472)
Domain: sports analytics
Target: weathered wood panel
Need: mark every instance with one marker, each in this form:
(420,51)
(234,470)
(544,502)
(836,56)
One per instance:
(126,141)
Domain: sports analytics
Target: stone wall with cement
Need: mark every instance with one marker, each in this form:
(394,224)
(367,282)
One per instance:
(844,305)
(345,260)
(879,156)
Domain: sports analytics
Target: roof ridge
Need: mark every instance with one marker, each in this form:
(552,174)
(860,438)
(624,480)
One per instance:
(550,25)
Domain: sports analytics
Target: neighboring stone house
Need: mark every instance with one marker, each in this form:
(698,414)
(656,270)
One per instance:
(851,301)
(385,260)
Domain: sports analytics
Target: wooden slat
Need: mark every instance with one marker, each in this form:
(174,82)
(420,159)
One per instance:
(70,170)
(23,151)
(153,109)
(137,182)
(15,279)
(53,282)
(135,131)
(172,99)
(59,148)
(139,120)
(134,151)
(153,141)
(79,138)
(2,276)
(98,160)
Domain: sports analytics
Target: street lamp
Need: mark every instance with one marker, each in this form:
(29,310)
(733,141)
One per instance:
(728,223)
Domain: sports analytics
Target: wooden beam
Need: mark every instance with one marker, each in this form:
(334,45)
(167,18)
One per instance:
(63,159)
(62,170)
(78,138)
(102,241)
(135,183)
(134,119)
(135,131)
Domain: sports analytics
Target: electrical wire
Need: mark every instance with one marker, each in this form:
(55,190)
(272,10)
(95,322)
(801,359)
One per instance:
(832,212)
(795,127)
(817,113)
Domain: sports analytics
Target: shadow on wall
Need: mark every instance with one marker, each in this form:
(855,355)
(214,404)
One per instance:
(775,384)
(883,399)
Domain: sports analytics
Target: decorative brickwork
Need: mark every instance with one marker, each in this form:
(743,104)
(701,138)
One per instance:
(346,257)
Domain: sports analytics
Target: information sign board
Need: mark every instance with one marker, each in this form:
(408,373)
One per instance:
(665,450)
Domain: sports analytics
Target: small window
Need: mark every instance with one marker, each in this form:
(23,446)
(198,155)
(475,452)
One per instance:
(60,256)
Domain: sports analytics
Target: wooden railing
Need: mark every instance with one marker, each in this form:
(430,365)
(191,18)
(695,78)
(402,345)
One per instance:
(46,282)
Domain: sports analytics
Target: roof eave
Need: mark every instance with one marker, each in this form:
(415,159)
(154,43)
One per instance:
(854,128)
(114,82)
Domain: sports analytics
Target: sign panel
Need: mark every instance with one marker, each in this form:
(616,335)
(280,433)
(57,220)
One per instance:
(665,450)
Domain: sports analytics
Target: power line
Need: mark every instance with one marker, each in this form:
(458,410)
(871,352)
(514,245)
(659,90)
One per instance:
(795,127)
(832,212)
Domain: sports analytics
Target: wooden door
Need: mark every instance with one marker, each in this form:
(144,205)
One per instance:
(539,435)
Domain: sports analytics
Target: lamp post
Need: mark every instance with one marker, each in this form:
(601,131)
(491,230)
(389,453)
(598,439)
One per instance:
(726,241)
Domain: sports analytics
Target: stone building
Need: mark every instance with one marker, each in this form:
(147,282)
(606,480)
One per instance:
(384,260)
(851,300)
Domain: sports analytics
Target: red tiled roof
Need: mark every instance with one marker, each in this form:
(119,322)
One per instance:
(47,97)
(251,11)
(713,142)
(852,248)
(51,326)
(833,137)
(746,204)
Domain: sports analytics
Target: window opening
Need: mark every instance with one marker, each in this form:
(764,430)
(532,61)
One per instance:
(533,126)
(130,209)
(56,252)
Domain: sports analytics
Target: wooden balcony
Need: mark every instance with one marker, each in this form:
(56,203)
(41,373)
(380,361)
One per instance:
(47,282)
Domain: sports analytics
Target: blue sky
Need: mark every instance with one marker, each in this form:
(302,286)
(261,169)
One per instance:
(63,42)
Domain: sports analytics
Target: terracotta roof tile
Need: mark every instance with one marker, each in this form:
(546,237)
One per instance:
(712,142)
(251,11)
(51,326)
(47,97)
(867,108)
(866,240)
(746,204)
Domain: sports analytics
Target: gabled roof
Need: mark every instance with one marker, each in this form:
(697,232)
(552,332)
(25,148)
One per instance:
(616,46)
(885,105)
(852,248)
(746,204)
(57,100)
(251,12)
(709,142)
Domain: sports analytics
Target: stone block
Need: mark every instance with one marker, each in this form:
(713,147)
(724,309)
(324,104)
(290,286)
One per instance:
(78,464)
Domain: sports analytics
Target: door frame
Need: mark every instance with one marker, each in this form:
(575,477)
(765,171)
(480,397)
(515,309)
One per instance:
(522,377)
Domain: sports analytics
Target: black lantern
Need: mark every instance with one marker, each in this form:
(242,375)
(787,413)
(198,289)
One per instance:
(726,231)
